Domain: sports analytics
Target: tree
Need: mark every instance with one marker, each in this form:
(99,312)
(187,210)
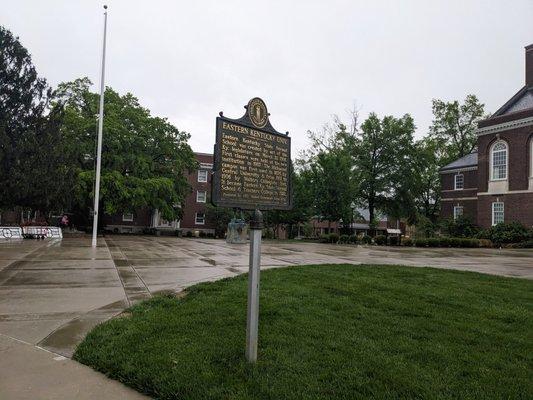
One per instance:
(382,156)
(144,158)
(33,172)
(219,217)
(426,183)
(454,125)
(302,202)
(333,185)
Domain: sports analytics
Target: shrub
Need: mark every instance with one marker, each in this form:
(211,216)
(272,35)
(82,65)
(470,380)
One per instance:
(353,238)
(344,239)
(485,243)
(380,240)
(202,234)
(433,242)
(511,232)
(455,242)
(333,238)
(460,227)
(470,242)
(424,227)
(189,234)
(365,239)
(407,242)
(528,244)
(421,242)
(444,241)
(394,240)
(324,238)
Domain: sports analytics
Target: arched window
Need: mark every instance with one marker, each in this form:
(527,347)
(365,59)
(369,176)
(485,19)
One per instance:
(498,160)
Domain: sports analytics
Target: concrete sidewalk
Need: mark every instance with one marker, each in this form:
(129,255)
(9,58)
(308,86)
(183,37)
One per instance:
(53,292)
(27,372)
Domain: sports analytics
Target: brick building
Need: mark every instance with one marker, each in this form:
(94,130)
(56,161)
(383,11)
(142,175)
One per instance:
(194,211)
(495,184)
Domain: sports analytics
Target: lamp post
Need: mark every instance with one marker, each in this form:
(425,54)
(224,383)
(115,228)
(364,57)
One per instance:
(99,146)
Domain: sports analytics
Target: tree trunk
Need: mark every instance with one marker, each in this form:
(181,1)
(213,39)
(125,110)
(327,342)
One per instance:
(372,231)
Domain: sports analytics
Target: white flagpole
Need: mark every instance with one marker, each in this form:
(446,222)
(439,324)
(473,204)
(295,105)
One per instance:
(100,128)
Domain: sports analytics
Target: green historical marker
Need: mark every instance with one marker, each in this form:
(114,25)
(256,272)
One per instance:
(252,171)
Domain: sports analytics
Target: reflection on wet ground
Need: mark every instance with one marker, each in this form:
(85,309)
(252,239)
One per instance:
(53,292)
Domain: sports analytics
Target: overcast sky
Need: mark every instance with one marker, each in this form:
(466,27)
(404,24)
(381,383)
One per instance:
(188,60)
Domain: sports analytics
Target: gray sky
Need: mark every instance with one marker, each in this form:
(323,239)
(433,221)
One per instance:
(188,60)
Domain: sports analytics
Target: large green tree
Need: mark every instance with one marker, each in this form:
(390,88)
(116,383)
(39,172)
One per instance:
(302,203)
(454,125)
(33,163)
(144,158)
(425,186)
(382,155)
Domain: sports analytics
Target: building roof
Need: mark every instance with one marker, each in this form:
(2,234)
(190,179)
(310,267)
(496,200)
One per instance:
(470,160)
(522,100)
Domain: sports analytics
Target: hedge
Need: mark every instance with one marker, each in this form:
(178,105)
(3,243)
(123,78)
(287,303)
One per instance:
(448,242)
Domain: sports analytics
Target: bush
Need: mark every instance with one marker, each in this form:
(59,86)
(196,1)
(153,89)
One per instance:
(511,232)
(424,227)
(189,234)
(528,244)
(353,239)
(203,234)
(421,242)
(344,239)
(407,242)
(333,238)
(324,238)
(394,240)
(433,242)
(485,243)
(380,240)
(365,239)
(455,242)
(460,227)
(444,241)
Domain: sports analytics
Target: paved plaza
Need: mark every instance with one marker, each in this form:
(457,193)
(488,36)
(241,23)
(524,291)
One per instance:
(53,292)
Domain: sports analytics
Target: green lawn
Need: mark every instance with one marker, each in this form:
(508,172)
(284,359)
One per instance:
(329,332)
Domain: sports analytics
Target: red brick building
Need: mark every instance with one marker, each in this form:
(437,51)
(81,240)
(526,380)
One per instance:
(495,184)
(194,211)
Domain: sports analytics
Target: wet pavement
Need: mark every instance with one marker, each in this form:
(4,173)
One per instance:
(53,292)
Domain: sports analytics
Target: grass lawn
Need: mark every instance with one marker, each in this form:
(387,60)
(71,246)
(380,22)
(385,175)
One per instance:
(329,332)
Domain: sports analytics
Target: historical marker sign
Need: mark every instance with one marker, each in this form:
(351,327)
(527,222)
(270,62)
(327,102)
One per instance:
(252,165)
(252,171)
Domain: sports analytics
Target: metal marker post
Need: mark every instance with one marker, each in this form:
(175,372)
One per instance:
(252,318)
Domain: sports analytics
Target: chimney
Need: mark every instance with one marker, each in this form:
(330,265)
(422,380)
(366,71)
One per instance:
(529,65)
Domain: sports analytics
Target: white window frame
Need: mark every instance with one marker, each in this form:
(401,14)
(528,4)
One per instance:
(491,160)
(455,182)
(456,213)
(127,219)
(198,200)
(196,219)
(493,211)
(202,175)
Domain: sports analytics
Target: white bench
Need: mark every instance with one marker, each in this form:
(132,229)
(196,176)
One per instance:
(51,232)
(10,232)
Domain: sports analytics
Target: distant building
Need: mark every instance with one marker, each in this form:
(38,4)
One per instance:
(194,210)
(495,184)
(385,225)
